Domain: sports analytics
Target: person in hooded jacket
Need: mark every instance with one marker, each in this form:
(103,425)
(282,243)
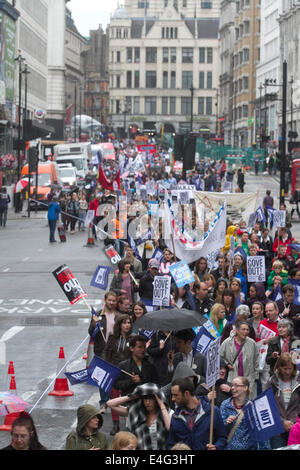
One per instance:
(87,435)
(231,232)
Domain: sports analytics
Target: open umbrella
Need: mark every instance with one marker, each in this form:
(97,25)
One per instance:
(10,403)
(21,185)
(170,319)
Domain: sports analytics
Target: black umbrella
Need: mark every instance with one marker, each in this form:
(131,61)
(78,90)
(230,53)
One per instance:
(170,319)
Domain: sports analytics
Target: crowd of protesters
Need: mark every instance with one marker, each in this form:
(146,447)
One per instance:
(161,390)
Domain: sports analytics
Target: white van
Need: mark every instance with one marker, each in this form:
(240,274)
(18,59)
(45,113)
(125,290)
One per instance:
(78,154)
(68,175)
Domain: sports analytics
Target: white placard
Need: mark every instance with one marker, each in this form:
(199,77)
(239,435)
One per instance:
(279,219)
(213,363)
(161,291)
(256,271)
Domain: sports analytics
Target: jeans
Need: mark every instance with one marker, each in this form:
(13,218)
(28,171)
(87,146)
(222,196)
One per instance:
(52,227)
(104,397)
(82,216)
(3,216)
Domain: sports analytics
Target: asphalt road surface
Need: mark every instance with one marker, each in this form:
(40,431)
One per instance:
(36,319)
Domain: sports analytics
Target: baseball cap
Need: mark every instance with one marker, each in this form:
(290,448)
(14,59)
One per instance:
(153,264)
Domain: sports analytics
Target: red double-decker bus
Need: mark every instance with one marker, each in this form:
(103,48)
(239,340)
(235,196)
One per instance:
(296,175)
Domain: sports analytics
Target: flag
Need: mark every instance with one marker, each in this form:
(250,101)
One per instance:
(100,278)
(133,246)
(262,417)
(261,215)
(78,377)
(270,211)
(241,252)
(202,340)
(98,324)
(277,294)
(102,374)
(294,246)
(146,333)
(296,284)
(145,237)
(185,247)
(158,255)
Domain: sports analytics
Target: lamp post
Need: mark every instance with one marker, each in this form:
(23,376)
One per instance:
(291,81)
(26,73)
(283,134)
(19,59)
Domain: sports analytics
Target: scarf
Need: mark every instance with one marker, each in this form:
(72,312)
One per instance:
(286,345)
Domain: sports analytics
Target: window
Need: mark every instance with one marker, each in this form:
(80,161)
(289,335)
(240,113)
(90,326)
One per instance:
(202,55)
(245,110)
(165,55)
(136,105)
(118,56)
(209,55)
(128,79)
(187,79)
(187,55)
(186,105)
(173,55)
(209,105)
(201,105)
(151,55)
(165,79)
(150,105)
(136,79)
(128,104)
(164,105)
(137,55)
(172,105)
(246,55)
(118,81)
(118,106)
(184,3)
(245,83)
(143,4)
(173,80)
(129,55)
(150,79)
(201,80)
(206,4)
(209,80)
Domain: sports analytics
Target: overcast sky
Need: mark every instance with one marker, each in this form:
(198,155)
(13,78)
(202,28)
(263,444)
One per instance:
(88,14)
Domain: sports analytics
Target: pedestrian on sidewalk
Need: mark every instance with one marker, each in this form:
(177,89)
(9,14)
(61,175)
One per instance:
(4,201)
(53,216)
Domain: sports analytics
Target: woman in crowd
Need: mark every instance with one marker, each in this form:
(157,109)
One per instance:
(162,342)
(217,317)
(4,202)
(235,285)
(266,244)
(23,434)
(148,413)
(117,350)
(232,414)
(240,354)
(220,286)
(200,269)
(285,384)
(178,296)
(229,302)
(138,310)
(240,272)
(87,435)
(83,207)
(124,441)
(122,281)
(283,342)
(73,211)
(211,283)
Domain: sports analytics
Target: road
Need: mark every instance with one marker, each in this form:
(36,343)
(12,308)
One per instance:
(36,318)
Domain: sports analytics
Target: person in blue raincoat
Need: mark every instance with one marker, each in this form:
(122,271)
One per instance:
(53,216)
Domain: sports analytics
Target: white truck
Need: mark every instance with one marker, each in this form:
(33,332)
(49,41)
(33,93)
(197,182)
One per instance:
(78,154)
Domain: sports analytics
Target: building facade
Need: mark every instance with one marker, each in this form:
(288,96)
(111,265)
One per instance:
(245,59)
(164,66)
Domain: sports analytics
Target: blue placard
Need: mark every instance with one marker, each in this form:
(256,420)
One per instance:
(181,274)
(100,278)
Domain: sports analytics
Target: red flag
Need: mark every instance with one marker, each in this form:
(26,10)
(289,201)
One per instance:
(68,115)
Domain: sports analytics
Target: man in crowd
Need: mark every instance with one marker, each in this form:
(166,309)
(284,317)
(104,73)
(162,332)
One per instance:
(202,302)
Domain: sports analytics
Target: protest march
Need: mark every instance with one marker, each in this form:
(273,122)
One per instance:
(197,341)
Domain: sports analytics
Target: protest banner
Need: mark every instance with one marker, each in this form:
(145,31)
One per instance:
(262,417)
(279,218)
(112,254)
(100,277)
(161,291)
(252,220)
(256,271)
(181,274)
(202,340)
(69,284)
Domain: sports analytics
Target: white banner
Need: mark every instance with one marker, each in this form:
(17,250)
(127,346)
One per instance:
(213,363)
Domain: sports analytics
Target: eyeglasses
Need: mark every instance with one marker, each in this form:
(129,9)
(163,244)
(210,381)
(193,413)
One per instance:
(20,436)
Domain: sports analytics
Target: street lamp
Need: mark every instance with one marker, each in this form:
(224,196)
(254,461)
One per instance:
(19,59)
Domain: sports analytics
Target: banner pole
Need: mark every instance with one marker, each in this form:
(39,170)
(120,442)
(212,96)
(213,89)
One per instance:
(212,416)
(101,329)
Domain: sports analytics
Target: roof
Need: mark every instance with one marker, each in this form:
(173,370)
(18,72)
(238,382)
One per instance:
(207,28)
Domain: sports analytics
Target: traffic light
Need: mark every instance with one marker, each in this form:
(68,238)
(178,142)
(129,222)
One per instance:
(33,158)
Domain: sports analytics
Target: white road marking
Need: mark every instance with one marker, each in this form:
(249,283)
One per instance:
(6,270)
(12,332)
(25,259)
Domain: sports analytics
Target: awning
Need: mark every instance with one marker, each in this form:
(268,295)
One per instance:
(36,129)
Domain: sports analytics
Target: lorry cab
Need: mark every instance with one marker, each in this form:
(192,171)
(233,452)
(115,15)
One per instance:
(78,155)
(48,175)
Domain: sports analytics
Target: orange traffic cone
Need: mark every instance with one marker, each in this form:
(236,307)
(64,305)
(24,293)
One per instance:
(10,372)
(61,387)
(91,238)
(10,417)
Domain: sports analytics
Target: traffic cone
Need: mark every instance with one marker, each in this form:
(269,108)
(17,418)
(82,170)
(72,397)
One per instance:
(91,238)
(10,417)
(10,372)
(61,387)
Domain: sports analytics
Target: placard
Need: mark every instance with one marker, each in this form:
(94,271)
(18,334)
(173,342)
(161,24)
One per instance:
(112,254)
(100,278)
(213,363)
(181,274)
(256,271)
(161,291)
(69,284)
(279,218)
(89,217)
(184,197)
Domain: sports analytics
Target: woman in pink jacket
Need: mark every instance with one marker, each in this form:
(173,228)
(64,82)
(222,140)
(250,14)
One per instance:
(294,435)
